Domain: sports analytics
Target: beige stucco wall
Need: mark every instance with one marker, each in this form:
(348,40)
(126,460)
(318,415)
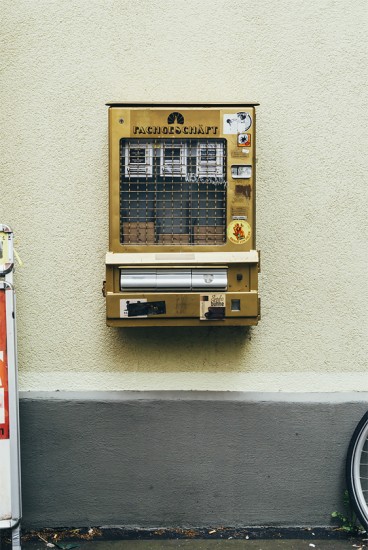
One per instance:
(306,63)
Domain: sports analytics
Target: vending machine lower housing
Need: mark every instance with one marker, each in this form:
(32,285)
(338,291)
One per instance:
(182,294)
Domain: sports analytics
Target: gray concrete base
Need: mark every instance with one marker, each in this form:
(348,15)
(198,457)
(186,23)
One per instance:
(184,459)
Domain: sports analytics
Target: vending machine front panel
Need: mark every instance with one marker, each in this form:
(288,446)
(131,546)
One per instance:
(182,215)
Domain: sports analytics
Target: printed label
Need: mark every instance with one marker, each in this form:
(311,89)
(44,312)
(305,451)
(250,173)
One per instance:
(212,307)
(124,307)
(236,123)
(238,231)
(241,171)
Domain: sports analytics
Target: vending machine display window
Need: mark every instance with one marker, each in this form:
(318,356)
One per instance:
(172,190)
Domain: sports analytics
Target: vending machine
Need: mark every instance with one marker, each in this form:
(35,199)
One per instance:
(182,215)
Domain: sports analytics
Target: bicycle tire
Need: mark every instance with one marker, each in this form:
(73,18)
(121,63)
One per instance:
(357,471)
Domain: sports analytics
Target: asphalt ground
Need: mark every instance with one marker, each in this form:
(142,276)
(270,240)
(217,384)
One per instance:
(293,544)
(220,538)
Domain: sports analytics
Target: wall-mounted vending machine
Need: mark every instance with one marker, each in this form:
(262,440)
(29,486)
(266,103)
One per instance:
(182,215)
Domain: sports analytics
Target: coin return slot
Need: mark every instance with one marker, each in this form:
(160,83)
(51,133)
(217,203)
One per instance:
(235,305)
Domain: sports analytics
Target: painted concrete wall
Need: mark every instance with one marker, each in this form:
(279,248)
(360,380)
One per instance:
(184,459)
(305,61)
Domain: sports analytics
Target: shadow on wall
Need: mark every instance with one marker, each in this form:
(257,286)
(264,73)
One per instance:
(175,349)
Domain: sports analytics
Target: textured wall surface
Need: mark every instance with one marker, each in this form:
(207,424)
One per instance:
(194,459)
(305,62)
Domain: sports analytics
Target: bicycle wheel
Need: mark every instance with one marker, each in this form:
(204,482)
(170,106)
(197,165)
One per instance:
(357,470)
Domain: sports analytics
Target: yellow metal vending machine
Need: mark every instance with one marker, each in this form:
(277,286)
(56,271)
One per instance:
(182,245)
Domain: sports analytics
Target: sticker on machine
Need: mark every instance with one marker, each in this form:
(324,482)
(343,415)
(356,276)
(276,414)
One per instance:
(237,123)
(212,307)
(244,140)
(124,306)
(4,248)
(238,231)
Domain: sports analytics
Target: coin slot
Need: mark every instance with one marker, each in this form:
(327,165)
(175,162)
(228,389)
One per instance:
(235,305)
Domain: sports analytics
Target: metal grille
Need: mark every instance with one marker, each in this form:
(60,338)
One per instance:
(173,192)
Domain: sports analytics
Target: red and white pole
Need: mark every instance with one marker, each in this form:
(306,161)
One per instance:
(10,487)
(5,474)
(4,394)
